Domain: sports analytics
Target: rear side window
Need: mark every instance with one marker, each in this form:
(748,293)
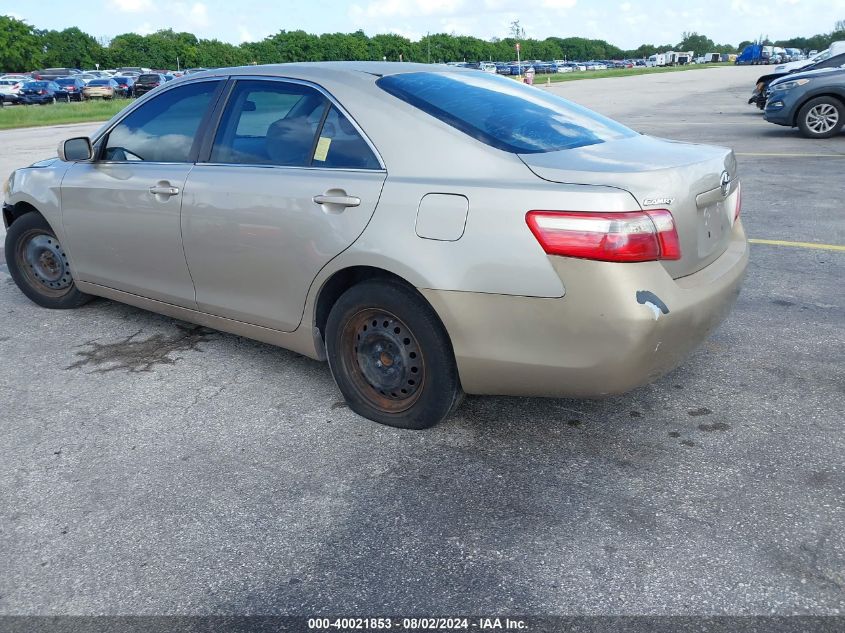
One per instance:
(341,146)
(162,129)
(503,113)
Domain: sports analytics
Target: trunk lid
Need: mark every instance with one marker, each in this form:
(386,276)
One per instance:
(685,178)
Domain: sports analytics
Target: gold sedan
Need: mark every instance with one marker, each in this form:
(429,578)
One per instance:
(100,88)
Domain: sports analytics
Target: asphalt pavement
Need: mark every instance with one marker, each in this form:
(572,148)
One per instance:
(148,466)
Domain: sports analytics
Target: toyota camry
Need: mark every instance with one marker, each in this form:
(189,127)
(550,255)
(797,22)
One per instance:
(429,231)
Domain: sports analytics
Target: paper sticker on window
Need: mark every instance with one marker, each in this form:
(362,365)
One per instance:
(322,149)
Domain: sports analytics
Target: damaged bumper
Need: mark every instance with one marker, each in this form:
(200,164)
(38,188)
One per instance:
(618,327)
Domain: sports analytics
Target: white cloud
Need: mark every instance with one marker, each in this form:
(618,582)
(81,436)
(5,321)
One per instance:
(132,6)
(244,34)
(193,15)
(405,8)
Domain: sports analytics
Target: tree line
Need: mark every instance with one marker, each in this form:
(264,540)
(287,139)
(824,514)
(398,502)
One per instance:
(26,48)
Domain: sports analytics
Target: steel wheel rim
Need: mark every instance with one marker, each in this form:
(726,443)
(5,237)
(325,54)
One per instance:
(44,263)
(822,118)
(381,355)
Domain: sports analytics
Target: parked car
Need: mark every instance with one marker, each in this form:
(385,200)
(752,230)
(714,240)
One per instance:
(41,92)
(759,95)
(413,290)
(836,48)
(86,77)
(49,74)
(125,87)
(131,71)
(100,89)
(148,82)
(10,90)
(812,101)
(71,87)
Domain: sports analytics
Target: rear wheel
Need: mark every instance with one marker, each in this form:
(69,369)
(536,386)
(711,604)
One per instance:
(821,117)
(391,356)
(39,265)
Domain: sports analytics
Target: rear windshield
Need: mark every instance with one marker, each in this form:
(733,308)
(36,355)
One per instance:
(148,79)
(65,81)
(503,113)
(36,84)
(99,82)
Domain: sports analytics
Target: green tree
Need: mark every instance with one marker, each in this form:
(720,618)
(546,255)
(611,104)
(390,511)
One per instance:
(694,42)
(70,48)
(390,46)
(20,45)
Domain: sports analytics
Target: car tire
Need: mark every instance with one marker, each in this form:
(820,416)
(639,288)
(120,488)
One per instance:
(39,266)
(391,356)
(822,117)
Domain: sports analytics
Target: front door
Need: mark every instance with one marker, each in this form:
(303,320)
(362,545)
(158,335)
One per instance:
(289,183)
(121,213)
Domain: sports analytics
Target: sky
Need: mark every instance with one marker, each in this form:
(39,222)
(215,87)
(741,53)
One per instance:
(624,23)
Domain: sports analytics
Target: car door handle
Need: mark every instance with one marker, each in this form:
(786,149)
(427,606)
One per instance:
(337,200)
(160,190)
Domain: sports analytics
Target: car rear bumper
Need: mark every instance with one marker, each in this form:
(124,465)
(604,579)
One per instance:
(618,327)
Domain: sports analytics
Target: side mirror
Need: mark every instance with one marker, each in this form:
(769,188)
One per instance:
(74,149)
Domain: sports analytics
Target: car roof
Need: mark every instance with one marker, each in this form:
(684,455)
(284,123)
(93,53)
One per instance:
(316,69)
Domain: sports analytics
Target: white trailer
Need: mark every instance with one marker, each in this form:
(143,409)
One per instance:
(658,59)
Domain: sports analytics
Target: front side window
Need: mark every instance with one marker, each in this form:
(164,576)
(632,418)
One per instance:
(269,123)
(502,113)
(162,129)
(290,125)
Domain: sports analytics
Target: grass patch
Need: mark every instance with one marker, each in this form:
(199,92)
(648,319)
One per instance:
(14,116)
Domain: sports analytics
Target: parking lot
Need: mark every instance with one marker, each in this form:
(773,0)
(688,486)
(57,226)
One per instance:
(148,466)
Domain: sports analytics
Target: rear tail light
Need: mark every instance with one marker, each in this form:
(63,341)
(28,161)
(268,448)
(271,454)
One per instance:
(636,236)
(738,202)
(42,92)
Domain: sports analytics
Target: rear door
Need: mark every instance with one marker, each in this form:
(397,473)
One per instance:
(288,183)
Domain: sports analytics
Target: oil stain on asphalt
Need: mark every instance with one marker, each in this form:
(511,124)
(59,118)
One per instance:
(134,355)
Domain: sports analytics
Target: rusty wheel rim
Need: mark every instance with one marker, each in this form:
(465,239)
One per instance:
(383,358)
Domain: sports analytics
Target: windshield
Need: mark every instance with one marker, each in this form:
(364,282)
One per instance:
(503,113)
(65,81)
(99,82)
(36,84)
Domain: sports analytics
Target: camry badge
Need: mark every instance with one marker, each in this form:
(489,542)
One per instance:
(650,202)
